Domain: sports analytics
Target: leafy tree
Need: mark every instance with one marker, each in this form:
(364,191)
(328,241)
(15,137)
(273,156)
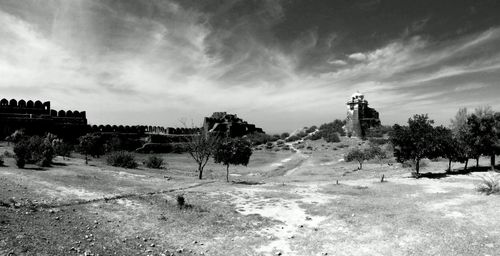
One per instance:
(33,149)
(201,147)
(62,148)
(484,135)
(415,141)
(235,151)
(463,137)
(446,145)
(361,155)
(91,144)
(21,149)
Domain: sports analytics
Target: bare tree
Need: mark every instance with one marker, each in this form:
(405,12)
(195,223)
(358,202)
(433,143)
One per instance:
(200,147)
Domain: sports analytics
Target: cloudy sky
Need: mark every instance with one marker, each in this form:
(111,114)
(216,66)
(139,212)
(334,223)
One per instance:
(279,64)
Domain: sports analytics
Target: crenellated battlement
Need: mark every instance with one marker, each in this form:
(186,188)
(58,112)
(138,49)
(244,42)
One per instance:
(37,108)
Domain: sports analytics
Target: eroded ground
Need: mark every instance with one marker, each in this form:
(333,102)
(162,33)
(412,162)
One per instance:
(303,203)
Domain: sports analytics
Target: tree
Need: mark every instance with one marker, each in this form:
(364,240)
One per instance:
(236,151)
(361,155)
(461,133)
(200,147)
(33,149)
(90,144)
(446,145)
(415,141)
(484,135)
(358,155)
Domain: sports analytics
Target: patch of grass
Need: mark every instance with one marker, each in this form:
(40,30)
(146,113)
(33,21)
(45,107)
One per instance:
(490,184)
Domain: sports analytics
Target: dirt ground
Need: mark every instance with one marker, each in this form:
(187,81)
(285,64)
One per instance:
(308,202)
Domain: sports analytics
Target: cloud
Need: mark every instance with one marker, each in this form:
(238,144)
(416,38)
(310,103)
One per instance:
(358,56)
(154,62)
(337,62)
(468,87)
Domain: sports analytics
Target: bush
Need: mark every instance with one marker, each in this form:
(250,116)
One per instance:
(275,137)
(181,201)
(122,159)
(62,148)
(489,185)
(280,142)
(331,137)
(8,154)
(285,135)
(269,145)
(259,138)
(311,129)
(154,162)
(35,150)
(293,138)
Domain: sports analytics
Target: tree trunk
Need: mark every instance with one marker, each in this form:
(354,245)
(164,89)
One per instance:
(86,159)
(227,173)
(466,163)
(200,171)
(493,160)
(477,162)
(449,165)
(360,165)
(417,166)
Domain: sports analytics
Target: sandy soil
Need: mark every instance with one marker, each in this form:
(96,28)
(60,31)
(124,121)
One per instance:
(303,203)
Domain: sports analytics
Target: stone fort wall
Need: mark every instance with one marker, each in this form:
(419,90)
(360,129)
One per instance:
(37,117)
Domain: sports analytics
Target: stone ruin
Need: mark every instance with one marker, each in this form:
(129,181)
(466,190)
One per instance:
(228,125)
(38,118)
(360,117)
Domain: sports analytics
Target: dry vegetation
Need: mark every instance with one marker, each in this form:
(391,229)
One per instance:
(307,202)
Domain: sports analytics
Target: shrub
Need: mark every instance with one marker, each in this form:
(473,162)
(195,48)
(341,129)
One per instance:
(259,138)
(269,145)
(33,150)
(311,129)
(331,137)
(62,148)
(181,201)
(275,137)
(122,159)
(293,138)
(154,162)
(21,150)
(315,136)
(8,154)
(280,142)
(285,135)
(489,185)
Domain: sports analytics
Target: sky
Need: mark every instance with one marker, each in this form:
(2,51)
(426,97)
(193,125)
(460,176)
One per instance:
(279,64)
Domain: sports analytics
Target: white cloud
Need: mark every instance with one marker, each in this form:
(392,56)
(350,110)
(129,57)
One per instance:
(358,56)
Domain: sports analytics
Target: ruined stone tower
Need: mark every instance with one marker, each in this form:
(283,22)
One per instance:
(360,117)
